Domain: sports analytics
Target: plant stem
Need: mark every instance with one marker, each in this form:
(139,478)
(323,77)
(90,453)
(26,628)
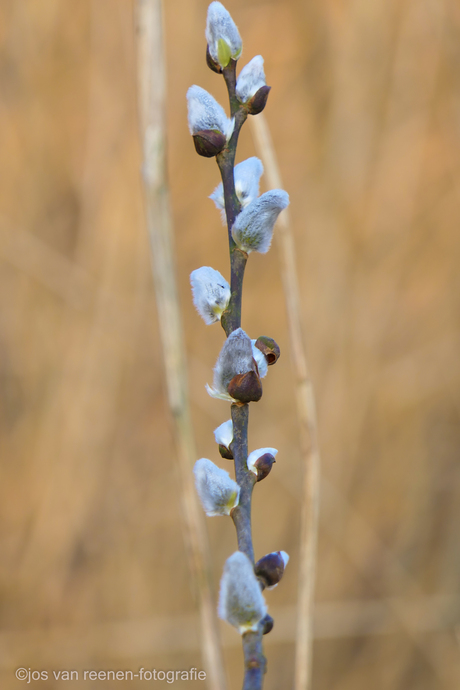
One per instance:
(231,319)
(241,515)
(254,660)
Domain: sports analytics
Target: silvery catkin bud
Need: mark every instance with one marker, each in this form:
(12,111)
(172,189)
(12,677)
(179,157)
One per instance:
(207,121)
(218,493)
(224,437)
(251,87)
(253,228)
(247,177)
(241,602)
(211,293)
(222,35)
(235,375)
(260,462)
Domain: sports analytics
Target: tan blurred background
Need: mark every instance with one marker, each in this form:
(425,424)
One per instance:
(365,116)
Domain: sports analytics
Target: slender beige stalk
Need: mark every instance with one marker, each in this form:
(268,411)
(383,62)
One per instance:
(306,413)
(151,71)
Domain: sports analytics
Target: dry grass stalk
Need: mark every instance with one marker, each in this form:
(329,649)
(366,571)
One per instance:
(307,417)
(151,69)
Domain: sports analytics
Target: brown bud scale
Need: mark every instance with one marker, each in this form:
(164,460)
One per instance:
(264,465)
(270,569)
(258,102)
(225,452)
(269,348)
(245,387)
(209,142)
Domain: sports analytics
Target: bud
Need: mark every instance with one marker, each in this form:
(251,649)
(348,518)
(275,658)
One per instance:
(207,122)
(214,66)
(226,453)
(211,293)
(267,624)
(258,102)
(269,348)
(234,361)
(270,568)
(224,437)
(251,87)
(241,602)
(209,142)
(253,228)
(260,462)
(247,177)
(246,388)
(222,36)
(262,364)
(218,493)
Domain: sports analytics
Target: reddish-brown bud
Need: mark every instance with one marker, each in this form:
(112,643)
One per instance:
(246,387)
(209,142)
(269,348)
(226,453)
(264,465)
(271,567)
(258,102)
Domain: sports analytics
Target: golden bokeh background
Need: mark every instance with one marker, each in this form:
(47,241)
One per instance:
(365,118)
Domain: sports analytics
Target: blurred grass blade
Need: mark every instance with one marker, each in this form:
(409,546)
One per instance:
(151,71)
(306,413)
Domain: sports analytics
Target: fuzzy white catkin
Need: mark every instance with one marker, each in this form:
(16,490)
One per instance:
(234,358)
(251,79)
(253,228)
(204,112)
(221,27)
(241,602)
(211,293)
(224,433)
(256,454)
(217,491)
(247,178)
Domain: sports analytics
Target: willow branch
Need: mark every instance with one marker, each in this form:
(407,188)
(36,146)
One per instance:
(242,513)
(151,72)
(255,662)
(231,318)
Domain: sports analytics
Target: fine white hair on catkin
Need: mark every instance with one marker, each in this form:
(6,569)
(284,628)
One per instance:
(211,293)
(251,79)
(253,227)
(241,602)
(217,491)
(204,113)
